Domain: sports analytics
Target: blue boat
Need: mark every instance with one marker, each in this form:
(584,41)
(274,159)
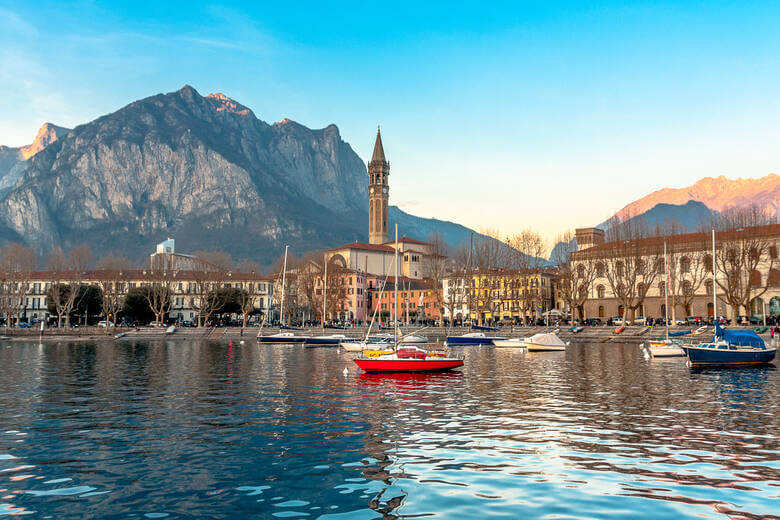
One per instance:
(731,348)
(471,339)
(483,328)
(331,340)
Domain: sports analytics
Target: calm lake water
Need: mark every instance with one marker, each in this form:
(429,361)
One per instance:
(203,430)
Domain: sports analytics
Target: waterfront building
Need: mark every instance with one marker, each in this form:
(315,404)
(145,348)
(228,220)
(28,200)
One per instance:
(498,295)
(630,275)
(165,257)
(187,288)
(418,300)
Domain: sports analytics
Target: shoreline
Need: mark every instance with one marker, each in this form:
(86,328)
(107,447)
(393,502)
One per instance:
(602,334)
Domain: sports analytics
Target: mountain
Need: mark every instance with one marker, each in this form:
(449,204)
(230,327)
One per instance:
(12,159)
(688,217)
(717,193)
(203,169)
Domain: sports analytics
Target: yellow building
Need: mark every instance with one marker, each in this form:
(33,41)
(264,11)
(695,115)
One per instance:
(495,295)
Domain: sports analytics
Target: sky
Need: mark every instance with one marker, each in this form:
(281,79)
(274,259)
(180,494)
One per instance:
(501,115)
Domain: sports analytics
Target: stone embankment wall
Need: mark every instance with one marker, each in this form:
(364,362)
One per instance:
(634,334)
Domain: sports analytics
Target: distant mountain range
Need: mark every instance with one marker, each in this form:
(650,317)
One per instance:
(716,193)
(697,204)
(202,169)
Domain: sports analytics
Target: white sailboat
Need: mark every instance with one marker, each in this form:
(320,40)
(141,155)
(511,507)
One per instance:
(360,346)
(665,347)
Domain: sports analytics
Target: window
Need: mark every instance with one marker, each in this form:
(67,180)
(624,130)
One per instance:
(708,287)
(599,269)
(600,291)
(581,271)
(662,289)
(660,265)
(685,265)
(619,268)
(601,311)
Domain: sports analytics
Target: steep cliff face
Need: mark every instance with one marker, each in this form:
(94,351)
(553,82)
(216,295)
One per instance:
(204,169)
(717,193)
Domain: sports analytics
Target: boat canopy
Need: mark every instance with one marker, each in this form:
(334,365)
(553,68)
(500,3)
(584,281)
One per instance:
(679,333)
(744,338)
(546,339)
(480,327)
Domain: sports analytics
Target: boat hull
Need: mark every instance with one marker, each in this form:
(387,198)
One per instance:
(729,356)
(509,343)
(408,365)
(280,339)
(461,341)
(323,342)
(664,349)
(544,348)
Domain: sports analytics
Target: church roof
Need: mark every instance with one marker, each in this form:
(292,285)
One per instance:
(365,247)
(408,241)
(379,151)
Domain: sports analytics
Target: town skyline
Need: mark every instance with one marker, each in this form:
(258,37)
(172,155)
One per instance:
(505,105)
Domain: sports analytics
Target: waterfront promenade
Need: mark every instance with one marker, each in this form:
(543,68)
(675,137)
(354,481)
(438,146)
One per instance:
(598,334)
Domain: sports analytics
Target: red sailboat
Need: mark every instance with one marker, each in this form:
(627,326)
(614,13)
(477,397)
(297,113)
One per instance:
(407,358)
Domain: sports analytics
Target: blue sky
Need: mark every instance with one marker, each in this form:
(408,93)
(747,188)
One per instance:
(550,115)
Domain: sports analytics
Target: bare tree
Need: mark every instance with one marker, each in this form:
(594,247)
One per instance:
(214,260)
(575,278)
(743,247)
(526,251)
(435,269)
(80,258)
(203,287)
(631,267)
(16,263)
(112,279)
(158,294)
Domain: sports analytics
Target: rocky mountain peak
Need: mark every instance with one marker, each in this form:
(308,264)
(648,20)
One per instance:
(222,103)
(47,134)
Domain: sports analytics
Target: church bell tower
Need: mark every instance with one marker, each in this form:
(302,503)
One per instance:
(378,170)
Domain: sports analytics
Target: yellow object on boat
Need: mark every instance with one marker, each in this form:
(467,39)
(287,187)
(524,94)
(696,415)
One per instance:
(376,353)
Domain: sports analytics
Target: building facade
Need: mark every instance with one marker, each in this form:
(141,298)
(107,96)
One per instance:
(494,295)
(634,275)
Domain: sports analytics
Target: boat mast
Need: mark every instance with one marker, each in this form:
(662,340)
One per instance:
(284,274)
(666,294)
(714,284)
(324,293)
(395,258)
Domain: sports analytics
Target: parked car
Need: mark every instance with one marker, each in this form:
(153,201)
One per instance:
(104,324)
(639,320)
(617,320)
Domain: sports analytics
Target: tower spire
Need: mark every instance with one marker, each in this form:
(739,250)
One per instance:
(379,151)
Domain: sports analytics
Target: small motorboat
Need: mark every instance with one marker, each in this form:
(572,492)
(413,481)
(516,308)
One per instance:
(472,338)
(117,336)
(620,329)
(331,340)
(409,358)
(575,330)
(411,338)
(731,348)
(544,341)
(700,330)
(170,330)
(664,348)
(281,337)
(510,343)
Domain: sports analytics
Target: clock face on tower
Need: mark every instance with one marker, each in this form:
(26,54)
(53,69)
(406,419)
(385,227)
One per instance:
(371,190)
(384,190)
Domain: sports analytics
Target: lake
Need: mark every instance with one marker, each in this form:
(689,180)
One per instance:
(180,429)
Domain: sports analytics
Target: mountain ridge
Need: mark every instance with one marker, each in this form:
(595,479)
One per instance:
(717,193)
(204,169)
